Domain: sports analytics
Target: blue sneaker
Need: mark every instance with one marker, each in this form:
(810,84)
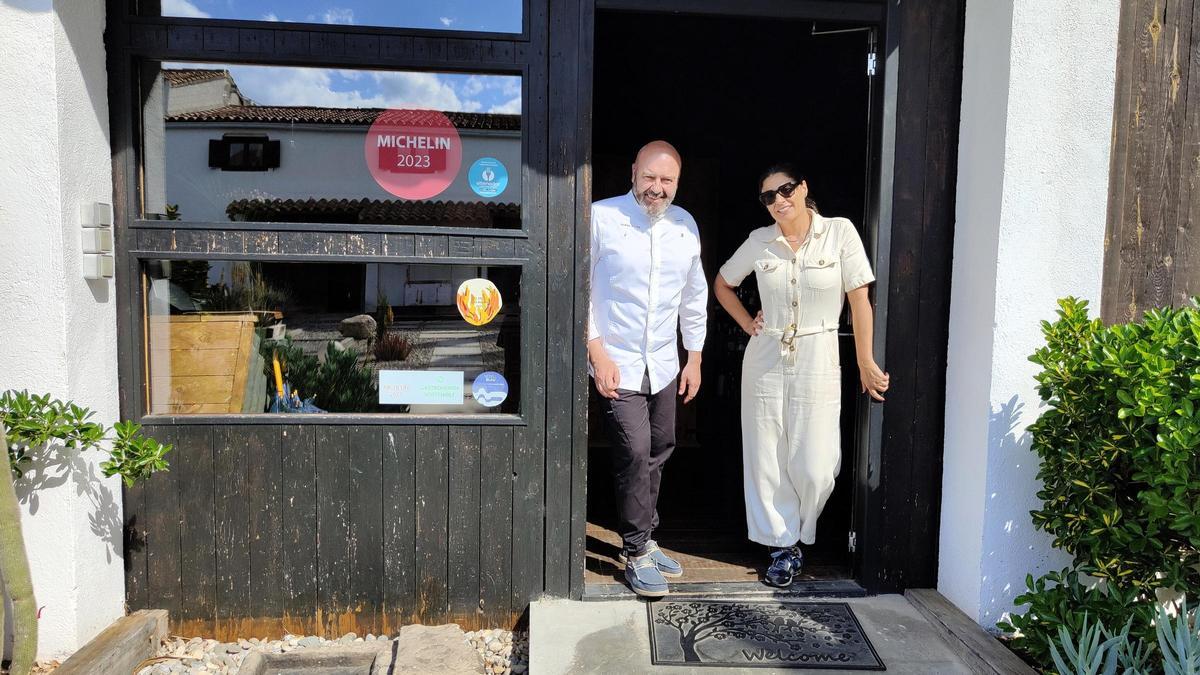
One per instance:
(667,566)
(785,565)
(644,578)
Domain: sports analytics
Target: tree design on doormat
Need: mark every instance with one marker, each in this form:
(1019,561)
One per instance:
(823,628)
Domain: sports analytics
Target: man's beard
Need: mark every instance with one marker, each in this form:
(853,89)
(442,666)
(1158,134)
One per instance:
(657,210)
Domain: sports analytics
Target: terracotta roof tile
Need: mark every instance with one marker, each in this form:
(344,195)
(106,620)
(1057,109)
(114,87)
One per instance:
(178,77)
(278,114)
(376,211)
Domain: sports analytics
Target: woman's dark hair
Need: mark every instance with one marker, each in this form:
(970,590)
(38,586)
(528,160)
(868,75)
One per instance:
(788,169)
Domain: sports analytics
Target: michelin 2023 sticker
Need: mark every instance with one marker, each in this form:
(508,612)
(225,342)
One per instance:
(488,177)
(490,389)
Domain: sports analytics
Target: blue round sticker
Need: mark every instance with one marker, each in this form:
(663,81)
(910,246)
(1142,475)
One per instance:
(490,389)
(488,177)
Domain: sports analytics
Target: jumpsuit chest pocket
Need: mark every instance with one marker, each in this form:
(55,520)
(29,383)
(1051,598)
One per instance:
(821,273)
(772,273)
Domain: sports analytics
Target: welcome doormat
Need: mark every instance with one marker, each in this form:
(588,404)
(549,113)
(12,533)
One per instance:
(759,634)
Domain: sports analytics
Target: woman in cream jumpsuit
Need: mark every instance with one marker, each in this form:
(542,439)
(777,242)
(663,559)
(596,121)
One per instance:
(805,265)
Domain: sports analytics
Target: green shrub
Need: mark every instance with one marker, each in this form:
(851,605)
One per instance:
(1120,470)
(345,385)
(341,384)
(1118,443)
(32,421)
(1061,601)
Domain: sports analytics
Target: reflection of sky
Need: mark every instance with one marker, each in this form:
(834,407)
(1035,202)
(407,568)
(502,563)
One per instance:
(327,87)
(364,88)
(487,15)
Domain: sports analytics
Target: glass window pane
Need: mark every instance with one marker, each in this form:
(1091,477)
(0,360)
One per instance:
(226,142)
(347,337)
(494,16)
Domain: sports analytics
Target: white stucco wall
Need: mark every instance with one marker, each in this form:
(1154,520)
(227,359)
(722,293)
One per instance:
(1034,151)
(325,162)
(59,330)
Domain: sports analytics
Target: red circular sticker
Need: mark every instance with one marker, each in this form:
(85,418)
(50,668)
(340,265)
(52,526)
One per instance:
(413,154)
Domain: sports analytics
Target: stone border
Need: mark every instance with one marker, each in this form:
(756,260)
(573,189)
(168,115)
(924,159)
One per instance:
(121,647)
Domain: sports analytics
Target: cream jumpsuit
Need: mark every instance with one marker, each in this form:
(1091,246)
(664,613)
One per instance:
(791,380)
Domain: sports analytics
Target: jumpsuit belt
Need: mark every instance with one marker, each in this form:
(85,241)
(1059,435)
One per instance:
(787,335)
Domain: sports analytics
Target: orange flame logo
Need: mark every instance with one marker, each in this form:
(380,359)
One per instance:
(478,301)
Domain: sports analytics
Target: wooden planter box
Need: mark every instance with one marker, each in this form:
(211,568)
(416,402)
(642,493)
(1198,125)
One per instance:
(205,363)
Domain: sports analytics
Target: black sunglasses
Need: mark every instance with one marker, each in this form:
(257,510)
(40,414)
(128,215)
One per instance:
(767,197)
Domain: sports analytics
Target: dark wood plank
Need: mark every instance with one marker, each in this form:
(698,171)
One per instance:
(333,531)
(1123,123)
(298,445)
(1187,236)
(399,527)
(232,448)
(192,461)
(528,535)
(529,526)
(884,540)
(937,248)
(463,519)
(496,524)
(163,571)
(264,491)
(560,262)
(1144,211)
(136,581)
(366,526)
(971,643)
(578,379)
(432,490)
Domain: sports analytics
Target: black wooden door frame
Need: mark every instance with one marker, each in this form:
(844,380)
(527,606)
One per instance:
(882,444)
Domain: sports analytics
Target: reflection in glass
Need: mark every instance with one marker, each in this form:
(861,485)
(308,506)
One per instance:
(495,16)
(251,337)
(228,143)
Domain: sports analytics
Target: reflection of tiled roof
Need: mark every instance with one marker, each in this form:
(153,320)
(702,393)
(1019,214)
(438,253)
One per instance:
(178,77)
(390,212)
(280,114)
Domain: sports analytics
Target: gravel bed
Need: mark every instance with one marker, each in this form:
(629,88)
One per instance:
(503,652)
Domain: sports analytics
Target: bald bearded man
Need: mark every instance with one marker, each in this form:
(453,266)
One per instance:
(647,287)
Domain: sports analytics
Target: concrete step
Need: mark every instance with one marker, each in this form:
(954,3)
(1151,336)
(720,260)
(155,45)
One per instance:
(568,636)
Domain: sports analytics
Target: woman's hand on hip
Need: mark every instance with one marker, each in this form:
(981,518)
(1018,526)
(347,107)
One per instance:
(755,325)
(874,380)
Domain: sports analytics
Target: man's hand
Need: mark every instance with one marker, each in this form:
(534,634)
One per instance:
(604,370)
(689,379)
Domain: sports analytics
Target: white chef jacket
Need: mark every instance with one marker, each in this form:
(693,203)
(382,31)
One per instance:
(646,280)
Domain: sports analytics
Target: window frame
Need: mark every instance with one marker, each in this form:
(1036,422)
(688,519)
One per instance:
(133,39)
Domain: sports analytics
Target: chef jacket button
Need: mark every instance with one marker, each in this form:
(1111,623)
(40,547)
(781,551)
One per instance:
(820,262)
(791,349)
(794,303)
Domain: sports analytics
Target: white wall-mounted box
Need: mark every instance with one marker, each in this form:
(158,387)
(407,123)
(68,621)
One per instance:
(98,266)
(96,214)
(97,240)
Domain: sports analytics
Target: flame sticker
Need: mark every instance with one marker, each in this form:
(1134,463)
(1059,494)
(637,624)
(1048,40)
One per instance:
(479,301)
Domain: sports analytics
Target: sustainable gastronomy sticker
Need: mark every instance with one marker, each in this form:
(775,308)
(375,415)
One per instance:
(490,389)
(413,154)
(421,387)
(488,177)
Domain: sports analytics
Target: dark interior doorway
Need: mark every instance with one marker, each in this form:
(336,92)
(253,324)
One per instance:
(734,95)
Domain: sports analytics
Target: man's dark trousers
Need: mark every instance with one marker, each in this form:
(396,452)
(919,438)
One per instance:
(642,426)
